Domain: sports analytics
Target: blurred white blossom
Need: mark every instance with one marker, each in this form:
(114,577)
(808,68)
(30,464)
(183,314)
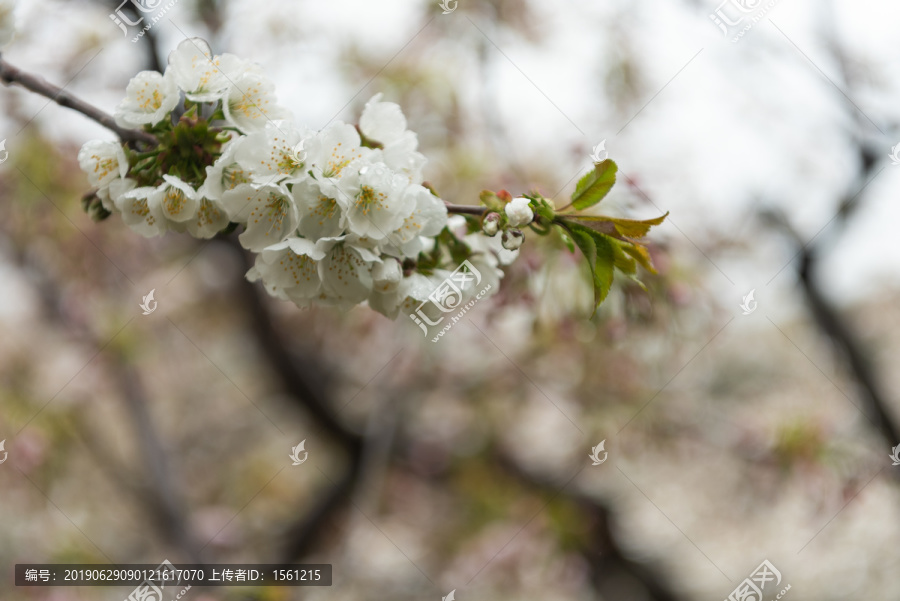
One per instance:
(7,21)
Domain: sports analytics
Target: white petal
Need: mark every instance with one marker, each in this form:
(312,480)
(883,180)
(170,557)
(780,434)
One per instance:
(269,213)
(103,162)
(346,277)
(179,202)
(382,121)
(250,102)
(149,98)
(320,215)
(141,211)
(225,173)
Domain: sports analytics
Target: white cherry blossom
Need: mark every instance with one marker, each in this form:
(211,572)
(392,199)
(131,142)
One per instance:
(386,279)
(141,211)
(321,216)
(428,218)
(385,123)
(210,218)
(289,270)
(149,98)
(268,213)
(270,154)
(103,162)
(226,173)
(346,271)
(401,156)
(111,193)
(374,202)
(178,201)
(249,102)
(202,76)
(333,149)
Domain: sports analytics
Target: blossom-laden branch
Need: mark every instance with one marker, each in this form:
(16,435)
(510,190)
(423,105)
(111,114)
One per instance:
(609,244)
(10,75)
(338,217)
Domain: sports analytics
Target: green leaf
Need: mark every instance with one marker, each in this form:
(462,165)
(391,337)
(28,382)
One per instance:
(567,240)
(623,261)
(632,228)
(600,255)
(641,255)
(594,186)
(603,268)
(585,243)
(641,284)
(627,228)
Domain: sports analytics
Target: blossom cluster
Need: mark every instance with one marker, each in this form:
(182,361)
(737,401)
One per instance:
(337,217)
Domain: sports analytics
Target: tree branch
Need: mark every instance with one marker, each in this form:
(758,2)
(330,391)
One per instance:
(465,209)
(301,377)
(10,75)
(154,488)
(833,325)
(612,570)
(826,315)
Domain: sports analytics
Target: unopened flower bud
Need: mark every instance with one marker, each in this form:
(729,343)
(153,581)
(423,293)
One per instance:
(512,239)
(93,206)
(491,224)
(387,274)
(519,212)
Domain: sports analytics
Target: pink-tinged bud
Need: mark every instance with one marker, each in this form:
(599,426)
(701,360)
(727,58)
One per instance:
(512,239)
(491,224)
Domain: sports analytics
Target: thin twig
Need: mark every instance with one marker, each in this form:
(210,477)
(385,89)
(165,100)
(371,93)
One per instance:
(10,74)
(465,209)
